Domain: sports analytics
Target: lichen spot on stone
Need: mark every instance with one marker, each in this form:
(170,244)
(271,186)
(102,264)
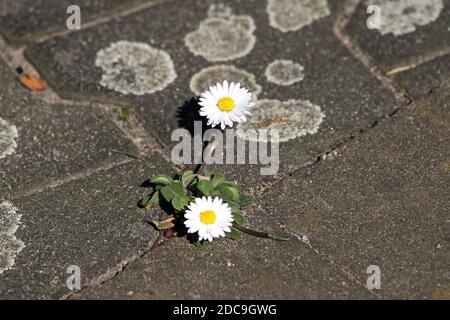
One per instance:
(8,137)
(402,16)
(292,15)
(210,76)
(135,68)
(219,10)
(292,119)
(284,72)
(10,246)
(222,37)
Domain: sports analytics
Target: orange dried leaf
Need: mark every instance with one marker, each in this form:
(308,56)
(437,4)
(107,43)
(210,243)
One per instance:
(32,82)
(164,224)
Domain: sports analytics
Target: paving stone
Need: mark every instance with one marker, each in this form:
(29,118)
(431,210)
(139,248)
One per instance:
(255,269)
(381,200)
(93,223)
(24,21)
(417,33)
(423,79)
(54,141)
(349,96)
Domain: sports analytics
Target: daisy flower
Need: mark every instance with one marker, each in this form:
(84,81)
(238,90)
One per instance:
(224,104)
(211,218)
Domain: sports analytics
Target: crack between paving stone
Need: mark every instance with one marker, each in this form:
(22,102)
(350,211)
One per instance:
(337,265)
(265,185)
(304,239)
(92,23)
(133,129)
(111,272)
(73,177)
(400,95)
(339,31)
(323,156)
(418,60)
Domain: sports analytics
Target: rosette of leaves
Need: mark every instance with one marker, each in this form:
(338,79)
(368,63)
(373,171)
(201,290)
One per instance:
(176,193)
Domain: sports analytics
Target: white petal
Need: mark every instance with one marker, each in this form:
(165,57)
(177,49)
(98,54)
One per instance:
(225,88)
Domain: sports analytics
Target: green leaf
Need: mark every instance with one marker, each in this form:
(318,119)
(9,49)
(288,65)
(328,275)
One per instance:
(230,184)
(154,199)
(205,187)
(168,193)
(207,172)
(180,202)
(177,187)
(162,179)
(174,190)
(230,193)
(238,218)
(188,177)
(217,179)
(148,200)
(234,207)
(233,234)
(201,245)
(144,201)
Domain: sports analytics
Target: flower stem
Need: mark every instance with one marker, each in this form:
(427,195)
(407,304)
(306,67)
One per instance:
(209,149)
(259,233)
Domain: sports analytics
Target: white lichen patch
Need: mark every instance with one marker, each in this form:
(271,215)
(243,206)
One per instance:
(210,76)
(219,11)
(402,16)
(222,36)
(292,15)
(292,119)
(10,246)
(8,136)
(135,68)
(284,72)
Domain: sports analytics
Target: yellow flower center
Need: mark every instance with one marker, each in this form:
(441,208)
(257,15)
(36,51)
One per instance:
(208,217)
(226,104)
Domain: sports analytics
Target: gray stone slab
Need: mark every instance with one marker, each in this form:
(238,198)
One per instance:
(93,223)
(54,141)
(381,200)
(24,21)
(425,78)
(408,31)
(250,268)
(349,96)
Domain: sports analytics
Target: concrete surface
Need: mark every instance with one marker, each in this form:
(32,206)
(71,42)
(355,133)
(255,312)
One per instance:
(366,186)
